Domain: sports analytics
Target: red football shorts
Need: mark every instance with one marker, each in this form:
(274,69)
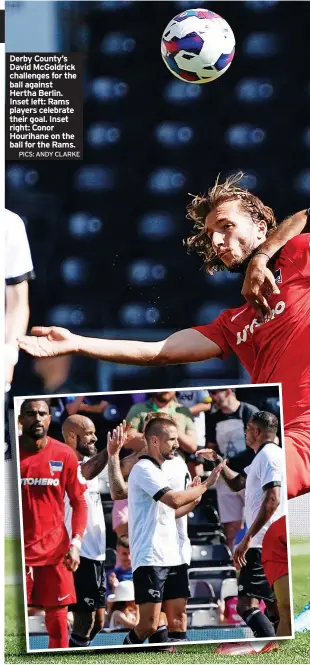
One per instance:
(297,453)
(50,586)
(274,551)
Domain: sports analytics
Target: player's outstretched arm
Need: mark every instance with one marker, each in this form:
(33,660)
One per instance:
(259,280)
(94,465)
(178,498)
(234,480)
(181,347)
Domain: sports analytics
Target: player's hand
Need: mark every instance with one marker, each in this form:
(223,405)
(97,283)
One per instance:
(215,474)
(72,558)
(208,454)
(195,482)
(48,342)
(240,552)
(117,440)
(258,285)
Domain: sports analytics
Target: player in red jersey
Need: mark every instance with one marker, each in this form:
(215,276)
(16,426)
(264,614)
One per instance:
(235,230)
(275,564)
(48,469)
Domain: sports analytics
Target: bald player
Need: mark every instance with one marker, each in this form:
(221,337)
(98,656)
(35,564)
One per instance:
(90,583)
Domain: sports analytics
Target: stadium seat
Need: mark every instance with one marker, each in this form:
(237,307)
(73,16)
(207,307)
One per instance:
(110,558)
(214,537)
(229,588)
(213,555)
(201,590)
(213,575)
(36,625)
(207,616)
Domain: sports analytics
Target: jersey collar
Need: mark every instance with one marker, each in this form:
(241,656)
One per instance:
(151,460)
(263,446)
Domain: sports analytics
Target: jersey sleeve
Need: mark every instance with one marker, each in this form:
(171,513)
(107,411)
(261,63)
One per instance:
(75,488)
(215,332)
(75,483)
(18,262)
(270,470)
(297,253)
(152,480)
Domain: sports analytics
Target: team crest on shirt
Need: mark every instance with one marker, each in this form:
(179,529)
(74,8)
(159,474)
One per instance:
(278,276)
(55,467)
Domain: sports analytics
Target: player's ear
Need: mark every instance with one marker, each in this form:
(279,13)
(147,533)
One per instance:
(261,229)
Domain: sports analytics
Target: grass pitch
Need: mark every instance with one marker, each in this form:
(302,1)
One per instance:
(290,651)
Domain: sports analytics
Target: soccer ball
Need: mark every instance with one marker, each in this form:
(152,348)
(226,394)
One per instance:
(198,46)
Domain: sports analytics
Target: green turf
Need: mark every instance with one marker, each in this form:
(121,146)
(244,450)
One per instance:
(13,559)
(291,651)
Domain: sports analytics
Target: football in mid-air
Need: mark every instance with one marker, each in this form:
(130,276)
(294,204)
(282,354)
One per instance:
(198,46)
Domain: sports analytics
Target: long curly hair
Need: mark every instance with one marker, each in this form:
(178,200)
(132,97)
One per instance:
(202,204)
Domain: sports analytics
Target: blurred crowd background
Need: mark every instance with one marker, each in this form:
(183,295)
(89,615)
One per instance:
(106,233)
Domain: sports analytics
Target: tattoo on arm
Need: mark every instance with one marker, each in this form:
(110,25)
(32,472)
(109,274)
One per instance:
(94,465)
(118,486)
(234,480)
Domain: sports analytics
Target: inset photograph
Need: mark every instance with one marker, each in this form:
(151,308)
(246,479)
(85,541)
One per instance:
(154,519)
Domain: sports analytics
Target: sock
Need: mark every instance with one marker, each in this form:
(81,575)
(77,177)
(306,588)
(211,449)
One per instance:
(161,635)
(258,622)
(177,636)
(57,627)
(275,622)
(132,638)
(78,641)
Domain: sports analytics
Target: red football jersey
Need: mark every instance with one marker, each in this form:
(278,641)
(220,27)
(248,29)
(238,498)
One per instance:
(279,350)
(45,477)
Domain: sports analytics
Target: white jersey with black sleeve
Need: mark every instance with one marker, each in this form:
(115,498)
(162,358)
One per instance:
(18,262)
(153,535)
(266,471)
(179,479)
(94,540)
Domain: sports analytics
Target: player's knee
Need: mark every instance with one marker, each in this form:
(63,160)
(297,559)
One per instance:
(56,622)
(177,622)
(83,623)
(243,605)
(99,624)
(284,608)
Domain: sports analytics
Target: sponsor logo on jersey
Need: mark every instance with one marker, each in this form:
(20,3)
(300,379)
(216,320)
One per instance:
(40,481)
(238,314)
(242,335)
(154,593)
(278,276)
(55,467)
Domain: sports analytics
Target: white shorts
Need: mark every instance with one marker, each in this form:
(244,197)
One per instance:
(230,504)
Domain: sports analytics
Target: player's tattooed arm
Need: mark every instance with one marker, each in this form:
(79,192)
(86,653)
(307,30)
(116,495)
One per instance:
(94,465)
(234,480)
(118,486)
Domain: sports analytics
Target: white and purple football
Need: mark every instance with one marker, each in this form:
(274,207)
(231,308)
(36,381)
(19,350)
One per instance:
(198,46)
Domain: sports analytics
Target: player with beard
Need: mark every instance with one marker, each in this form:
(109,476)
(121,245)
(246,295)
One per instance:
(90,583)
(48,469)
(233,229)
(173,626)
(159,574)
